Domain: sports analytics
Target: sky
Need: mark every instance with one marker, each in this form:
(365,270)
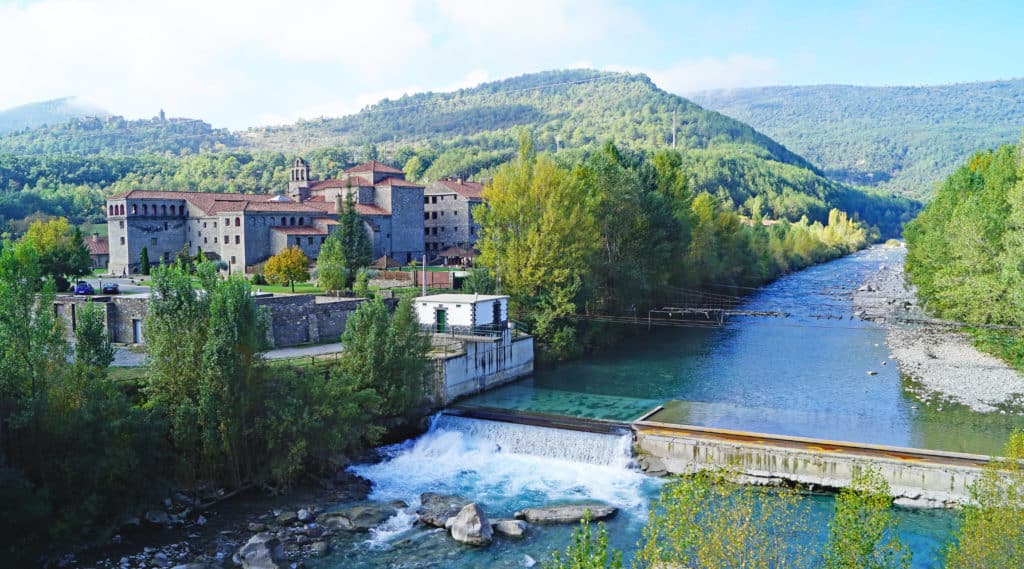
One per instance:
(262,62)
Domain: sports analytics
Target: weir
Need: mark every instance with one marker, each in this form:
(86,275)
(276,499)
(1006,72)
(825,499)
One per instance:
(917,477)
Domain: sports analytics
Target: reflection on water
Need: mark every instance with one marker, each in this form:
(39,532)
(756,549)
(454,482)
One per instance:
(805,375)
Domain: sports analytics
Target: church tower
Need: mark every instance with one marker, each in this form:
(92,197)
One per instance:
(298,182)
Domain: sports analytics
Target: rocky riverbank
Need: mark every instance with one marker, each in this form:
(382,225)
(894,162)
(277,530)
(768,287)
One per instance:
(939,359)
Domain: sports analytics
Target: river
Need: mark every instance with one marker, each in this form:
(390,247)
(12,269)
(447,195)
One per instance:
(805,374)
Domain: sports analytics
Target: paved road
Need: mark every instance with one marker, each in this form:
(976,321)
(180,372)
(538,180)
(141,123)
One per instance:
(125,285)
(125,356)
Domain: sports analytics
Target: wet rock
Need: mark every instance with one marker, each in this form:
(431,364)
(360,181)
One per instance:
(872,372)
(320,548)
(435,509)
(262,551)
(566,514)
(653,466)
(287,518)
(256,527)
(471,526)
(509,528)
(304,515)
(157,517)
(357,518)
(194,566)
(350,487)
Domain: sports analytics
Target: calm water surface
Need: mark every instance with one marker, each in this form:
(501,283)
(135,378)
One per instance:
(806,375)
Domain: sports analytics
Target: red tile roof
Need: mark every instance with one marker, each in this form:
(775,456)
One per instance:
(303,230)
(468,190)
(98,245)
(374,166)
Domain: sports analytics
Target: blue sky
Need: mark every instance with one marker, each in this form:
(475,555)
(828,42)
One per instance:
(239,64)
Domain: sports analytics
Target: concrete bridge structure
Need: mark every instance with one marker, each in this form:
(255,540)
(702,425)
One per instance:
(917,477)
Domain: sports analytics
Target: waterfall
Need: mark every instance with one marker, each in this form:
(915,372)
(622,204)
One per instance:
(561,444)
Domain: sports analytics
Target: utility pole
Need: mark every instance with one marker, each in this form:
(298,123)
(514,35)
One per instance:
(673,128)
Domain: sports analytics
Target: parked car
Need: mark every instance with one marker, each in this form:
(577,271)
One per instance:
(109,288)
(82,287)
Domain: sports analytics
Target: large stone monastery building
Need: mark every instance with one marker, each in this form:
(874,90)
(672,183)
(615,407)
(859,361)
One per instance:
(243,230)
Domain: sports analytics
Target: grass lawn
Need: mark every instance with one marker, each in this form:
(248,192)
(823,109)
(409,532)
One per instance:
(97,228)
(300,288)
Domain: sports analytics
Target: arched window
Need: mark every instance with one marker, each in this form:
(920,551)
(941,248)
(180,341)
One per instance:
(135,209)
(302,221)
(163,210)
(120,209)
(174,211)
(110,210)
(238,222)
(284,221)
(292,221)
(145,209)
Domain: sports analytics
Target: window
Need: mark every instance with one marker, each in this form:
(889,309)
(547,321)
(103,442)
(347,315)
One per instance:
(284,221)
(321,240)
(174,210)
(163,210)
(456,212)
(426,231)
(310,241)
(135,209)
(204,240)
(214,224)
(442,230)
(215,240)
(120,224)
(165,226)
(152,240)
(122,240)
(433,199)
(227,222)
(238,240)
(291,221)
(233,259)
(238,222)
(433,231)
(302,221)
(433,215)
(426,215)
(145,209)
(442,214)
(426,199)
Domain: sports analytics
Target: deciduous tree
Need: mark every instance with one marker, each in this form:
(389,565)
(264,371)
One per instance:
(864,533)
(286,267)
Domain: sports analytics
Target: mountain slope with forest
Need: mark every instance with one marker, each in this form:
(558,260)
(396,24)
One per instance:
(54,111)
(903,139)
(467,133)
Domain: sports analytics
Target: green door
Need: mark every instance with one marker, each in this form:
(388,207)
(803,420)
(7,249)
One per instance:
(441,319)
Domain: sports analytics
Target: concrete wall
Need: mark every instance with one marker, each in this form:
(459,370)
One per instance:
(458,313)
(913,481)
(483,366)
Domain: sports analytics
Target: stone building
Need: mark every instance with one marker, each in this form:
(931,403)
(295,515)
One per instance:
(244,230)
(99,251)
(448,215)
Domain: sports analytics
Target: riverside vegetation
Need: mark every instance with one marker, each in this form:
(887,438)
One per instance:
(707,520)
(82,453)
(965,252)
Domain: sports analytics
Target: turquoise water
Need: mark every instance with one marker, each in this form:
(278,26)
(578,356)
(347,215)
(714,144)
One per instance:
(506,467)
(804,375)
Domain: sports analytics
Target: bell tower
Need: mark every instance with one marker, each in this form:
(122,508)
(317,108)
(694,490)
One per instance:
(298,182)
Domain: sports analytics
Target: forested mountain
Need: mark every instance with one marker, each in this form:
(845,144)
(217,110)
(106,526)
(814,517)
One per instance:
(468,133)
(55,111)
(904,139)
(116,136)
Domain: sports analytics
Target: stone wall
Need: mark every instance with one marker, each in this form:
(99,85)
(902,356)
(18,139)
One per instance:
(483,366)
(406,224)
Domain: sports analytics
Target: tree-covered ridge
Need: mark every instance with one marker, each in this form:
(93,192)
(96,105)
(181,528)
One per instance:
(564,109)
(903,139)
(965,252)
(117,136)
(41,113)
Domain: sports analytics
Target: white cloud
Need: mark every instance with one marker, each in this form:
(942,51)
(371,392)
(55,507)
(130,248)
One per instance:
(738,70)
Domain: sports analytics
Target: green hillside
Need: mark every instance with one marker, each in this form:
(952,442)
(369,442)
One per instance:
(468,133)
(904,139)
(55,111)
(114,135)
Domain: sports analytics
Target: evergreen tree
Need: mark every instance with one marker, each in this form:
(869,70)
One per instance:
(361,288)
(356,250)
(144,261)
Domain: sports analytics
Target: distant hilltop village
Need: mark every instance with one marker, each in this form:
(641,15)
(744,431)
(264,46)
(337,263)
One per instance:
(404,220)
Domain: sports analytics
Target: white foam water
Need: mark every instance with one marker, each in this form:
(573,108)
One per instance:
(506,467)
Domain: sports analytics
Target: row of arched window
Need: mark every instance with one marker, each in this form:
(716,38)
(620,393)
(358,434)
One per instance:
(291,221)
(162,210)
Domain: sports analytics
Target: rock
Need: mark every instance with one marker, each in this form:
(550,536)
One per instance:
(435,509)
(357,518)
(262,551)
(872,372)
(304,515)
(509,528)
(653,466)
(287,518)
(194,566)
(529,561)
(320,548)
(201,520)
(256,527)
(471,526)
(157,517)
(566,514)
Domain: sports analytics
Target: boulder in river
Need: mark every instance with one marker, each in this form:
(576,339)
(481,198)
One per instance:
(435,509)
(157,517)
(566,514)
(287,518)
(509,528)
(262,551)
(471,526)
(358,518)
